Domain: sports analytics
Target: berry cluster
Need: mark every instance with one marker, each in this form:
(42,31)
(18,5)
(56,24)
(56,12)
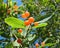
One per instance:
(27,22)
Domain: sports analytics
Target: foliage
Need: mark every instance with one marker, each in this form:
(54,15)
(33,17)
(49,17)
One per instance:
(14,22)
(46,12)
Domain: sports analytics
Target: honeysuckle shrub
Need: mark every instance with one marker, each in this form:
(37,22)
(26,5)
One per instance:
(45,34)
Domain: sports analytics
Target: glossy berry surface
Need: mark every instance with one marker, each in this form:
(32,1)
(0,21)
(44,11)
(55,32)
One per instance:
(36,44)
(23,16)
(19,40)
(31,19)
(27,22)
(20,30)
(43,44)
(27,14)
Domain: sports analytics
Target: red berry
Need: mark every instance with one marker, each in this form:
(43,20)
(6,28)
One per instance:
(43,44)
(19,40)
(20,30)
(27,14)
(36,44)
(36,23)
(31,19)
(27,22)
(23,16)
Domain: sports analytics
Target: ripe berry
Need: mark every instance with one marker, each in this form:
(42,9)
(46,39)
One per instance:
(20,30)
(23,16)
(27,22)
(43,44)
(27,14)
(36,44)
(36,23)
(31,19)
(19,40)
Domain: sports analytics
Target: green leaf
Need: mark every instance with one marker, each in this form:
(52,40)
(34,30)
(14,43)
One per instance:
(30,0)
(15,43)
(14,22)
(0,46)
(1,32)
(50,44)
(58,1)
(40,46)
(1,0)
(24,33)
(30,38)
(40,25)
(45,1)
(46,19)
(52,6)
(9,45)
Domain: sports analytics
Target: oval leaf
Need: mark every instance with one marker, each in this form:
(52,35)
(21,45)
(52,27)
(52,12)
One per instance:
(30,38)
(14,22)
(44,20)
(15,43)
(50,44)
(40,25)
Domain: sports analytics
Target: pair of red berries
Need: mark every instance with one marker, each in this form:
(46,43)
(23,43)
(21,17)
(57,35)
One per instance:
(25,15)
(29,21)
(42,44)
(19,40)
